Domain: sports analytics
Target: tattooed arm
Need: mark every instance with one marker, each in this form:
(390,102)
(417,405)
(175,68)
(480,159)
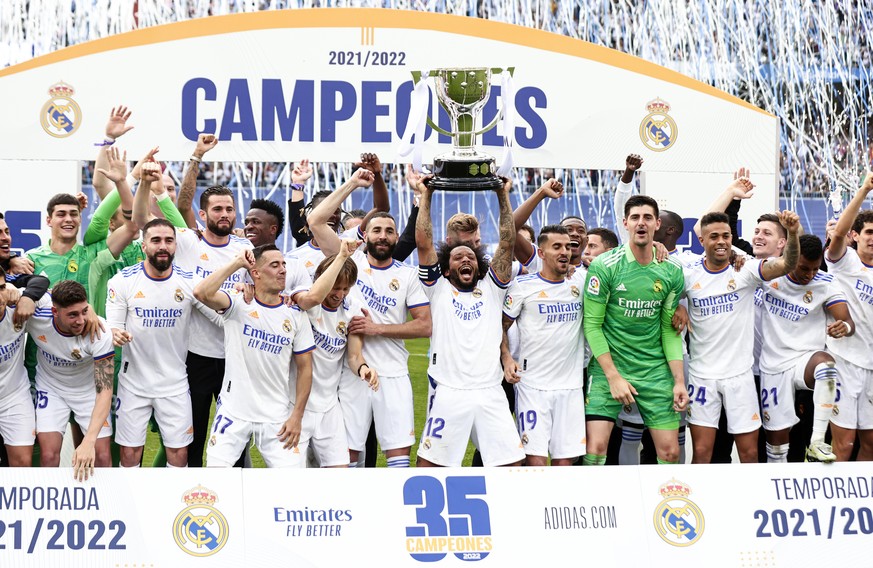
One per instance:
(776,267)
(424,226)
(501,264)
(84,456)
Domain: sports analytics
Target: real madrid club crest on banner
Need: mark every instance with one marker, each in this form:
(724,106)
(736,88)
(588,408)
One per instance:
(658,130)
(678,520)
(61,115)
(200,529)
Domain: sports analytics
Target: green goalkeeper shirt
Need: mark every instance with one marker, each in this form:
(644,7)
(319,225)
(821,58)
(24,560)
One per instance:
(628,312)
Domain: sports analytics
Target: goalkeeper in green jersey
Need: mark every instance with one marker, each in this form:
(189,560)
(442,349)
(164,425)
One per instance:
(629,303)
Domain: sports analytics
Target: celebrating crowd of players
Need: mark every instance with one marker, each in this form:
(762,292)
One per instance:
(302,352)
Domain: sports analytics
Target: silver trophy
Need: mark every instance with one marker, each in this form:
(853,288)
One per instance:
(462,92)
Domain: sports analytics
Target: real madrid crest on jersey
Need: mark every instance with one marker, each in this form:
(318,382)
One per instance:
(658,130)
(200,529)
(61,115)
(76,354)
(678,520)
(341,328)
(178,296)
(575,291)
(477,293)
(657,286)
(732,285)
(286,325)
(72,266)
(807,298)
(394,285)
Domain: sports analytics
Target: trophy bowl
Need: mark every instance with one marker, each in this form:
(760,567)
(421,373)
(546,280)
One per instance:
(462,92)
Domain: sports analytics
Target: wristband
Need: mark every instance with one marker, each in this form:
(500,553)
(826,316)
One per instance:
(106,142)
(194,158)
(297,186)
(361,367)
(848,328)
(162,196)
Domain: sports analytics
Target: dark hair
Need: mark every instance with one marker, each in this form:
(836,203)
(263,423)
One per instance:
(580,219)
(862,219)
(317,198)
(610,239)
(444,253)
(1,215)
(551,230)
(259,251)
(62,199)
(355,214)
(675,220)
(271,208)
(214,190)
(811,247)
(530,230)
(640,201)
(157,222)
(348,272)
(68,292)
(773,218)
(714,217)
(383,215)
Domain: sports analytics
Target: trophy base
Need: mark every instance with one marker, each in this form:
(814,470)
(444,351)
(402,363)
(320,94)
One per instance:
(465,174)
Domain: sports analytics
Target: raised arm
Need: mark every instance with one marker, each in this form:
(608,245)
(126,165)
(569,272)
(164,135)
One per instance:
(324,283)
(208,291)
(776,267)
(302,171)
(205,143)
(381,201)
(117,173)
(150,173)
(501,263)
(424,224)
(553,189)
(740,188)
(840,236)
(623,192)
(116,127)
(327,239)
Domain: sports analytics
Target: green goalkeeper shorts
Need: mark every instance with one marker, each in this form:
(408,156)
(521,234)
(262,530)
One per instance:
(654,399)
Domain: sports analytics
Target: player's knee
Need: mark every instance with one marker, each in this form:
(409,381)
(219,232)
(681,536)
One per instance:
(177,457)
(536,461)
(670,454)
(102,457)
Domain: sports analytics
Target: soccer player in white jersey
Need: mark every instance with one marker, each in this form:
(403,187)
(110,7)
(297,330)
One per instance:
(330,319)
(149,310)
(217,247)
(466,298)
(392,293)
(17,419)
(549,397)
(721,308)
(70,367)
(265,340)
(795,328)
(852,269)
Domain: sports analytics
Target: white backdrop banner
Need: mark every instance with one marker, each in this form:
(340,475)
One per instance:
(740,516)
(327,84)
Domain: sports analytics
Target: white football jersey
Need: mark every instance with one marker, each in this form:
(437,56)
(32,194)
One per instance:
(389,294)
(549,317)
(65,363)
(330,332)
(467,331)
(794,319)
(308,255)
(855,279)
(13,375)
(261,341)
(721,307)
(157,313)
(296,276)
(198,256)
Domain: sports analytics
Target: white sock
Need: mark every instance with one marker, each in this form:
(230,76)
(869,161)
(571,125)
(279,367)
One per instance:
(398,461)
(777,454)
(824,393)
(631,443)
(171,466)
(125,467)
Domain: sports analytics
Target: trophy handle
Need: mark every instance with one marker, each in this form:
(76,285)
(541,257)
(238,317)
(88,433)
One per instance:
(495,71)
